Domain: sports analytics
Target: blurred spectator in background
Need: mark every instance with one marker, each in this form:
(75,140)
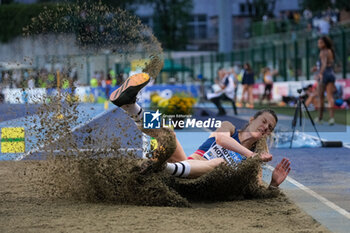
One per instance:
(98,77)
(296,17)
(338,96)
(31,82)
(101,79)
(223,90)
(236,81)
(2,97)
(6,80)
(51,81)
(324,26)
(120,79)
(265,18)
(311,96)
(289,15)
(112,76)
(247,82)
(307,14)
(108,84)
(268,81)
(94,86)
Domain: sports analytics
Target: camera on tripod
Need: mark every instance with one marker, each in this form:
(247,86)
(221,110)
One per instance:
(298,114)
(307,90)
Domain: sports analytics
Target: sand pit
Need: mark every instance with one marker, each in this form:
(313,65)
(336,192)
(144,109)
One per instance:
(96,194)
(23,209)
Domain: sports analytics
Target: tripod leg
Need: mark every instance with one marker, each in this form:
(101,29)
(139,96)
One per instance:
(294,122)
(300,113)
(312,121)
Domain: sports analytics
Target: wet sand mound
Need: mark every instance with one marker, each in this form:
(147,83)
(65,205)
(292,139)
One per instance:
(24,209)
(118,180)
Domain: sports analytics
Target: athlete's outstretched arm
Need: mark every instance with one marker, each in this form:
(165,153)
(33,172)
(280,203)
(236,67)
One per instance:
(224,139)
(229,143)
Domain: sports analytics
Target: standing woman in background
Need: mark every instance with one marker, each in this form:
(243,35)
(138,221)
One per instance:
(247,82)
(326,77)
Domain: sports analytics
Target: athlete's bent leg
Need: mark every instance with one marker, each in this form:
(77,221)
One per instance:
(125,97)
(193,168)
(201,167)
(167,146)
(179,169)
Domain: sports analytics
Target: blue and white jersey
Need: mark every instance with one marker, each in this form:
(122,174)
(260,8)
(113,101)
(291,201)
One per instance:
(217,151)
(211,150)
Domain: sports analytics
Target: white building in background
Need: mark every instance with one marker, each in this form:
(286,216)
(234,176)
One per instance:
(203,28)
(203,34)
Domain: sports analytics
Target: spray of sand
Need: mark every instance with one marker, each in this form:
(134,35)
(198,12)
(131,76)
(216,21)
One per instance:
(97,176)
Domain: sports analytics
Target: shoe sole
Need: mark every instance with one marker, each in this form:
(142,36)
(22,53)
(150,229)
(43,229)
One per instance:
(128,91)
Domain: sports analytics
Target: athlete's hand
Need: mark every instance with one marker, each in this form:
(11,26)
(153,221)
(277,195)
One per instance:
(280,172)
(266,157)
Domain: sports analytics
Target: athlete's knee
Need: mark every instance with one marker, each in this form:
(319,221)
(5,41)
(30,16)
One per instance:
(165,137)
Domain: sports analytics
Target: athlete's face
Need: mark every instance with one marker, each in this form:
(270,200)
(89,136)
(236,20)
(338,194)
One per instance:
(261,126)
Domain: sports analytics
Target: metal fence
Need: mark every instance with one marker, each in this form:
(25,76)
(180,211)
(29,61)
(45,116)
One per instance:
(293,59)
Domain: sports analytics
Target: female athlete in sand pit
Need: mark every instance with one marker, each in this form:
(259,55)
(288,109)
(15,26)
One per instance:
(225,145)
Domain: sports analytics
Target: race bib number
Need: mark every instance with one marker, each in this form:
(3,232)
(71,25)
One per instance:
(217,151)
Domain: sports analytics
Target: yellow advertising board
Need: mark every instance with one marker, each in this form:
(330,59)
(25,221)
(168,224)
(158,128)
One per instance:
(12,140)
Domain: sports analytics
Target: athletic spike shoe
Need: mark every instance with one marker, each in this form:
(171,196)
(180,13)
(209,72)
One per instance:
(127,92)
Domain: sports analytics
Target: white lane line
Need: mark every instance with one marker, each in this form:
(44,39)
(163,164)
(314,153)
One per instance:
(58,137)
(316,195)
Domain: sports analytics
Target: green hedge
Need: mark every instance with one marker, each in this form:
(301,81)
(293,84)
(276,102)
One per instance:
(13,17)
